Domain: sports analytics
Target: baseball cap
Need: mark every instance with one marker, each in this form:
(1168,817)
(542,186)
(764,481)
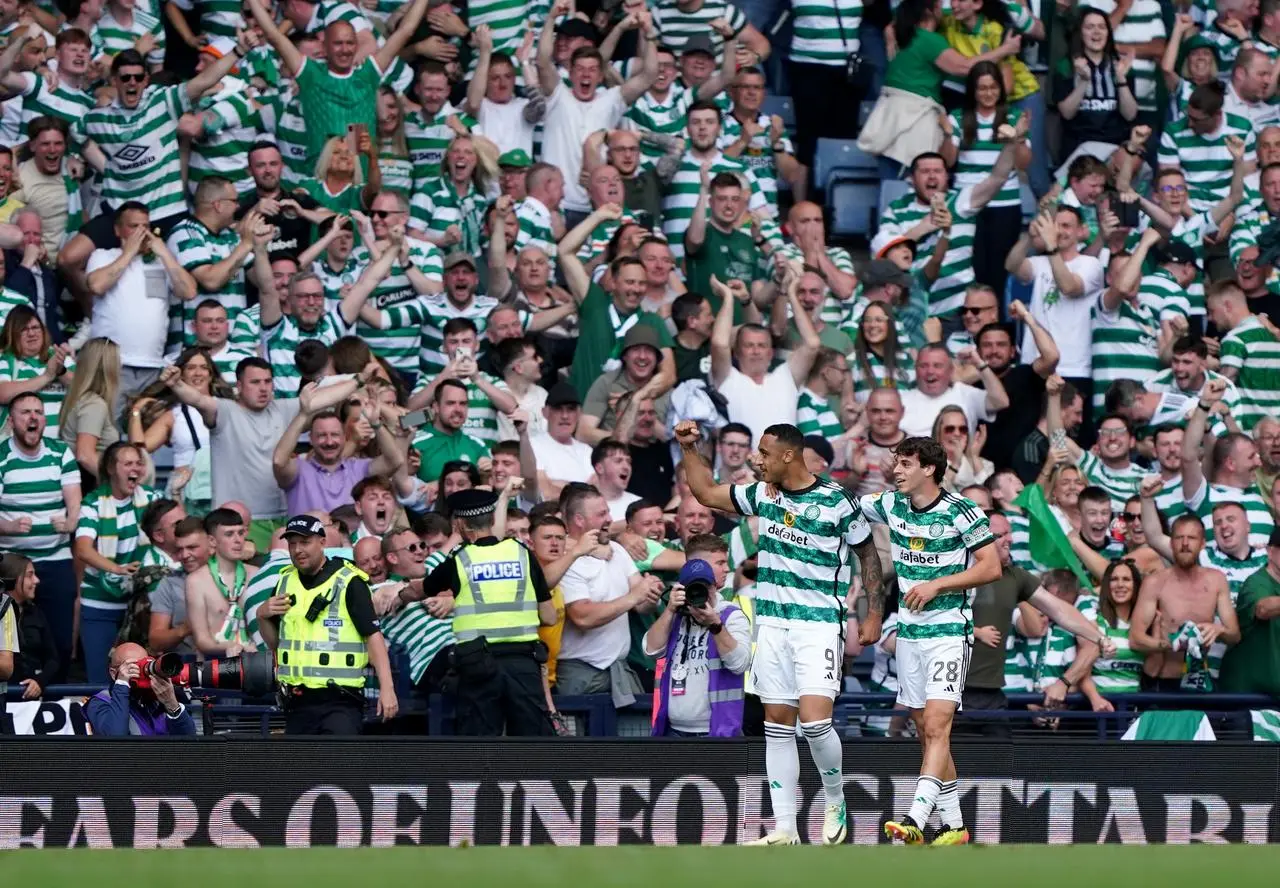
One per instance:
(696,570)
(304,525)
(1176,251)
(458,257)
(516,158)
(699,43)
(883,242)
(879,272)
(821,446)
(563,394)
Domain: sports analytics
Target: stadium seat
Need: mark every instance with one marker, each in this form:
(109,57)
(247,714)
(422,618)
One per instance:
(784,108)
(844,155)
(852,206)
(891,190)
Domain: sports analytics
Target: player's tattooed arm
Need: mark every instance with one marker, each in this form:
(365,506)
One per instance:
(872,576)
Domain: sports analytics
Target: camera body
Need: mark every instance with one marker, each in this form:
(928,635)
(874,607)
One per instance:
(696,594)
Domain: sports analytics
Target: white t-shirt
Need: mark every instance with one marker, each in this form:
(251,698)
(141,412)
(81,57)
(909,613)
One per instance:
(562,462)
(567,126)
(760,406)
(591,579)
(505,125)
(618,507)
(532,403)
(920,410)
(1068,319)
(134,314)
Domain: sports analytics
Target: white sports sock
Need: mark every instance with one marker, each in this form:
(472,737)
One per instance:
(782,764)
(949,806)
(824,744)
(927,789)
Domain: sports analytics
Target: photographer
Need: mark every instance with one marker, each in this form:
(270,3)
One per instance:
(707,648)
(128,708)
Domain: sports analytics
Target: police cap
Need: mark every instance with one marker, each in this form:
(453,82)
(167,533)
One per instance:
(472,503)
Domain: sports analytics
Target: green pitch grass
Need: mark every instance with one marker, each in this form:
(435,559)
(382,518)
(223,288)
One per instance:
(1023,866)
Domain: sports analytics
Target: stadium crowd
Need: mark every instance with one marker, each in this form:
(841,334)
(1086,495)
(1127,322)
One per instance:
(349,260)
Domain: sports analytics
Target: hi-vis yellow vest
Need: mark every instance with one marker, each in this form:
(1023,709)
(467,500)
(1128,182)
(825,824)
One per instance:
(328,651)
(495,597)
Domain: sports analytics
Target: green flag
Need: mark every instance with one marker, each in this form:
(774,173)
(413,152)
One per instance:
(1049,545)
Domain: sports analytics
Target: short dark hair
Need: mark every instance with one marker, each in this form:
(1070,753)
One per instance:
(128,58)
(210,303)
(508,447)
(1095,494)
(548,509)
(639,505)
(1116,416)
(444,384)
(686,307)
(573,496)
(310,357)
(928,453)
(152,514)
(607,448)
(263,145)
(1207,98)
(737,428)
(429,523)
(704,105)
(1190,344)
(22,396)
(725,180)
(705,542)
(458,325)
(130,206)
(926,155)
(544,519)
(996,327)
(72,35)
(381,482)
(786,434)
(508,351)
(350,354)
(188,526)
(253,362)
(222,518)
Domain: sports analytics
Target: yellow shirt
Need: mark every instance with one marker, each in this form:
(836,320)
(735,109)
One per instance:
(988,36)
(9,206)
(550,635)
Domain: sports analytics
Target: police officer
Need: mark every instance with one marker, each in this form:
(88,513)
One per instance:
(321,624)
(500,598)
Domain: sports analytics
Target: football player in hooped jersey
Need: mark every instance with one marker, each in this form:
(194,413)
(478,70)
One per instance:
(942,549)
(808,526)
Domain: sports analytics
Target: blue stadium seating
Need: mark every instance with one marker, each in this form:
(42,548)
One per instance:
(891,190)
(784,108)
(1029,203)
(852,206)
(843,155)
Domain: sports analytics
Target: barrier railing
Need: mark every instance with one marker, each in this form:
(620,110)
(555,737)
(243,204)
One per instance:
(596,715)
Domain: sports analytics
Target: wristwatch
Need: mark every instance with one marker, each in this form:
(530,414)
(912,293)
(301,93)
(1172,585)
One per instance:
(716,629)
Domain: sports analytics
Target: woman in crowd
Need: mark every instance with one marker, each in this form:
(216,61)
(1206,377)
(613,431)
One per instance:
(965,464)
(1187,63)
(85,421)
(339,183)
(393,149)
(1122,673)
(1062,484)
(455,475)
(36,663)
(1093,92)
(450,209)
(904,122)
(878,359)
(970,148)
(26,365)
(157,418)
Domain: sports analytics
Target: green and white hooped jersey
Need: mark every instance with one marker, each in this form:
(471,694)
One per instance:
(194,246)
(64,101)
(814,416)
(758,155)
(281,343)
(1121,673)
(929,544)
(1205,161)
(1202,501)
(1237,570)
(947,294)
(1125,343)
(1255,354)
(334,281)
(31,487)
(15,369)
(682,195)
(105,517)
(400,346)
(218,18)
(1120,484)
(821,37)
(233,121)
(976,161)
(805,539)
(141,145)
(665,116)
(834,311)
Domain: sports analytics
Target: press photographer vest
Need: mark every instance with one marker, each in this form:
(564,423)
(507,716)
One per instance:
(328,651)
(495,598)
